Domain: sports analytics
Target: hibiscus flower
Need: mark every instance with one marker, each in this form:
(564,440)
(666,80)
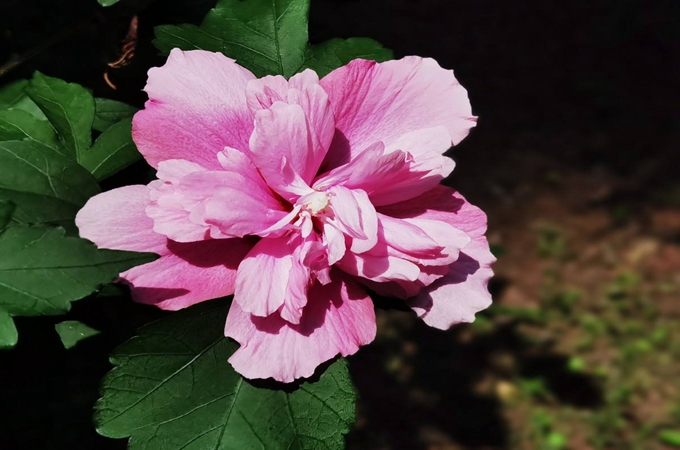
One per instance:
(297,196)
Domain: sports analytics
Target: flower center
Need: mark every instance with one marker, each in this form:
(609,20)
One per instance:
(315,202)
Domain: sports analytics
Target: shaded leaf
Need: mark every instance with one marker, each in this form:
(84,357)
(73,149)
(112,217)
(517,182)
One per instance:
(108,112)
(8,331)
(106,3)
(45,186)
(265,36)
(69,107)
(42,271)
(670,437)
(6,210)
(113,151)
(325,57)
(71,332)
(173,388)
(13,96)
(17,125)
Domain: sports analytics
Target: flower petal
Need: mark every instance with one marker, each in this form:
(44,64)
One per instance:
(187,274)
(463,291)
(197,106)
(116,220)
(355,216)
(168,209)
(385,101)
(230,202)
(392,176)
(293,120)
(338,320)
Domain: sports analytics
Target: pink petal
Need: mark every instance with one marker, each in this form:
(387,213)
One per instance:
(385,101)
(274,276)
(380,268)
(197,106)
(184,274)
(188,273)
(338,319)
(293,120)
(335,242)
(230,202)
(116,220)
(355,216)
(402,238)
(392,177)
(463,291)
(168,209)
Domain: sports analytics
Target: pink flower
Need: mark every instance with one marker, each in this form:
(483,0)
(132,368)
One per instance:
(296,195)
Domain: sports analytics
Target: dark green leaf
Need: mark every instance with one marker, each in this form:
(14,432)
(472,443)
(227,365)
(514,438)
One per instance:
(325,57)
(6,210)
(265,36)
(42,271)
(13,96)
(112,152)
(107,3)
(71,332)
(17,125)
(70,109)
(45,186)
(8,332)
(108,112)
(173,388)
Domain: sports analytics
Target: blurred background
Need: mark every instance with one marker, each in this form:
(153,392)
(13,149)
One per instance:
(575,159)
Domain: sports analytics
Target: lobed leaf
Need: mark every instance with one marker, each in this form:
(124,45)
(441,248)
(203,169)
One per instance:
(13,96)
(17,125)
(42,271)
(113,151)
(69,108)
(45,185)
(108,112)
(172,387)
(265,36)
(325,57)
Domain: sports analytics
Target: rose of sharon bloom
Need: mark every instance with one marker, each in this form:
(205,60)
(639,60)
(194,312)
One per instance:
(296,196)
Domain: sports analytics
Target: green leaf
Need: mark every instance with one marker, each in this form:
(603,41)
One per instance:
(45,186)
(108,112)
(17,125)
(325,57)
(173,388)
(670,437)
(265,36)
(13,96)
(107,3)
(69,107)
(113,151)
(6,210)
(8,331)
(42,271)
(71,332)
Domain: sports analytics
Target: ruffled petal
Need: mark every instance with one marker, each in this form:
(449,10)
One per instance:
(187,274)
(392,176)
(168,208)
(116,220)
(293,122)
(233,204)
(385,101)
(338,320)
(355,216)
(197,106)
(463,291)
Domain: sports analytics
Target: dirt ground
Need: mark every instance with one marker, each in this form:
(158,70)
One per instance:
(575,161)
